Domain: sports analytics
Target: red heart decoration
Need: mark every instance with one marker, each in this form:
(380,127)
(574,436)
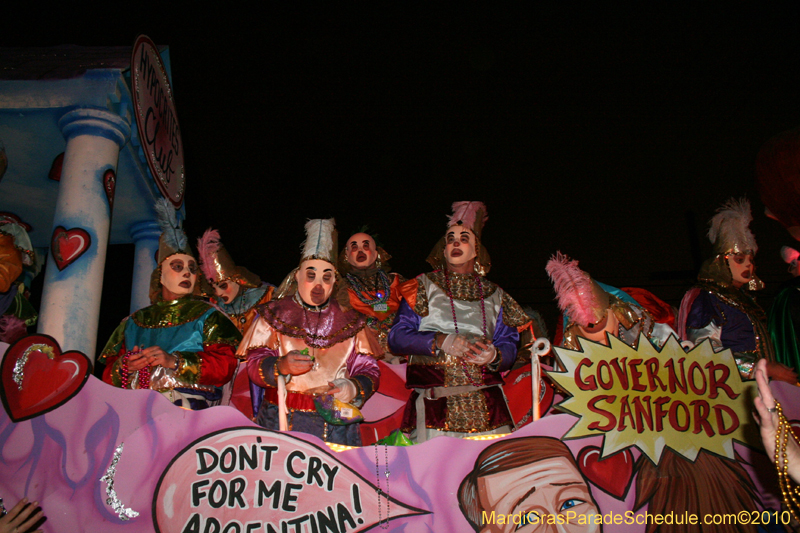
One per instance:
(612,474)
(68,245)
(38,378)
(55,167)
(110,185)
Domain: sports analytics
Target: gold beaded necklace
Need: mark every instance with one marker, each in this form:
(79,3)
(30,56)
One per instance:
(789,489)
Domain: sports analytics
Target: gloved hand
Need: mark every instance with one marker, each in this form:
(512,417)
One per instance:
(343,390)
(455,345)
(485,356)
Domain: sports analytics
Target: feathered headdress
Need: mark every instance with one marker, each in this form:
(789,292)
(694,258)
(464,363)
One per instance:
(207,248)
(173,240)
(730,228)
(320,243)
(470,214)
(578,295)
(217,264)
(320,240)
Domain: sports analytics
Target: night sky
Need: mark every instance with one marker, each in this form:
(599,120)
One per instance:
(610,134)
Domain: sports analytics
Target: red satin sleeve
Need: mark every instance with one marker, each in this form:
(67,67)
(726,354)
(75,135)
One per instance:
(219,363)
(661,311)
(108,370)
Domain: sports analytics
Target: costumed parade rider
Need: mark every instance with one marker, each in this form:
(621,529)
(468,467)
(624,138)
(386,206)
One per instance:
(459,332)
(592,309)
(238,292)
(720,307)
(369,288)
(181,345)
(17,267)
(784,316)
(314,360)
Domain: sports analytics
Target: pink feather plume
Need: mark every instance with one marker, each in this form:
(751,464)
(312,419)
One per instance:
(789,255)
(573,289)
(12,329)
(207,246)
(467,212)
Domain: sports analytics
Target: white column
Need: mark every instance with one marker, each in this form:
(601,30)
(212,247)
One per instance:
(70,307)
(145,237)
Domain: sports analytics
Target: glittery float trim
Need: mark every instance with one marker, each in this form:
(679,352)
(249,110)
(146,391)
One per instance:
(124,513)
(19,366)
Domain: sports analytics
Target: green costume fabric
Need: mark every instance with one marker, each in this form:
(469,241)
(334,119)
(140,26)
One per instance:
(784,324)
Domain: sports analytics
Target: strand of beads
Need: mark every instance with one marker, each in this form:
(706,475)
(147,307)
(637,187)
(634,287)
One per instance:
(382,291)
(384,523)
(789,490)
(464,366)
(143,377)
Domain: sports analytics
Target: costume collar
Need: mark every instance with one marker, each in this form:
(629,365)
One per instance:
(318,329)
(463,286)
(246,299)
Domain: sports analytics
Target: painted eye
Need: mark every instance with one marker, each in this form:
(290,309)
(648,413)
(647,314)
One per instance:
(531,517)
(327,278)
(223,286)
(569,504)
(193,267)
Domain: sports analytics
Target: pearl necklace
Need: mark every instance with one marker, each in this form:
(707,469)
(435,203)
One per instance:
(455,322)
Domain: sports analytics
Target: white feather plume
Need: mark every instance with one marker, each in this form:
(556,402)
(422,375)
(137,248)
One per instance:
(319,239)
(730,227)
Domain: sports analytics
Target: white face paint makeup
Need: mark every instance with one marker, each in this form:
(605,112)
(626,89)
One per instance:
(315,279)
(361,251)
(459,245)
(179,274)
(743,268)
(226,290)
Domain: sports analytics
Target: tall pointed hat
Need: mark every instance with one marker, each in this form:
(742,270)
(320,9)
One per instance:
(217,264)
(320,243)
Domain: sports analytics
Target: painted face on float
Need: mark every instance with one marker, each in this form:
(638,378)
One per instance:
(743,268)
(179,274)
(315,279)
(538,491)
(226,290)
(361,251)
(459,245)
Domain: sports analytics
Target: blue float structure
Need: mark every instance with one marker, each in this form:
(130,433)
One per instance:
(69,132)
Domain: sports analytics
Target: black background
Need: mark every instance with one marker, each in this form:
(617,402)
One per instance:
(611,133)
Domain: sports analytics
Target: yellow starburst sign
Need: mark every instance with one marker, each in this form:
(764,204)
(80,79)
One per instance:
(652,399)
